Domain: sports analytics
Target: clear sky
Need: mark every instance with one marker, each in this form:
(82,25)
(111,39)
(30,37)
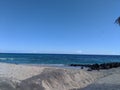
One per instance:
(60,26)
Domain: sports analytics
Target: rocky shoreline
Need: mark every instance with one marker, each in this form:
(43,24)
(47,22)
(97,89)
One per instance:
(97,66)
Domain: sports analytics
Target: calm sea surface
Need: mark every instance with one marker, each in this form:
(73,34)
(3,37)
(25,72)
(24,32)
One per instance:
(58,59)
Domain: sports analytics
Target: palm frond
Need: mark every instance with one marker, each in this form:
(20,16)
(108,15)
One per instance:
(117,20)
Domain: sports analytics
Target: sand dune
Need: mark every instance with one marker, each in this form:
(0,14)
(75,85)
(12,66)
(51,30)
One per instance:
(43,78)
(57,79)
(24,77)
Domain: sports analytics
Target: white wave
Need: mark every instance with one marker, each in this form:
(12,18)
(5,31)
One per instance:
(7,58)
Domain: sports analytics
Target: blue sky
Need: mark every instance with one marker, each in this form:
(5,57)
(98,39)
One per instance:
(60,26)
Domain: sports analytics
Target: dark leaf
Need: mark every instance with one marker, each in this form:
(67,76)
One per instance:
(117,20)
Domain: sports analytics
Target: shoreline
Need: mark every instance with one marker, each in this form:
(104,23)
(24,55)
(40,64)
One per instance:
(89,67)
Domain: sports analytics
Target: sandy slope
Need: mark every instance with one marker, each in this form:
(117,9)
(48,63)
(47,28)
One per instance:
(24,77)
(110,81)
(18,72)
(57,79)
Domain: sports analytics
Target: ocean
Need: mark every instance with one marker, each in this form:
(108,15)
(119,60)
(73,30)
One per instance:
(56,59)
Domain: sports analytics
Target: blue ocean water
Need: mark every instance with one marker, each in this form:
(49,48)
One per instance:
(63,59)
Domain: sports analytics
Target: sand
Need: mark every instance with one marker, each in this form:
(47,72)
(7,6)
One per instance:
(110,80)
(25,77)
(19,72)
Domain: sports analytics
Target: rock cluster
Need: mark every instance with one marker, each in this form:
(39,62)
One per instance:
(99,66)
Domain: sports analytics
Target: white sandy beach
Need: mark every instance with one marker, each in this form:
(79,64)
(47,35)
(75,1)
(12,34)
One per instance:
(25,77)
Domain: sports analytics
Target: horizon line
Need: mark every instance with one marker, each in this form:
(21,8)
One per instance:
(56,53)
